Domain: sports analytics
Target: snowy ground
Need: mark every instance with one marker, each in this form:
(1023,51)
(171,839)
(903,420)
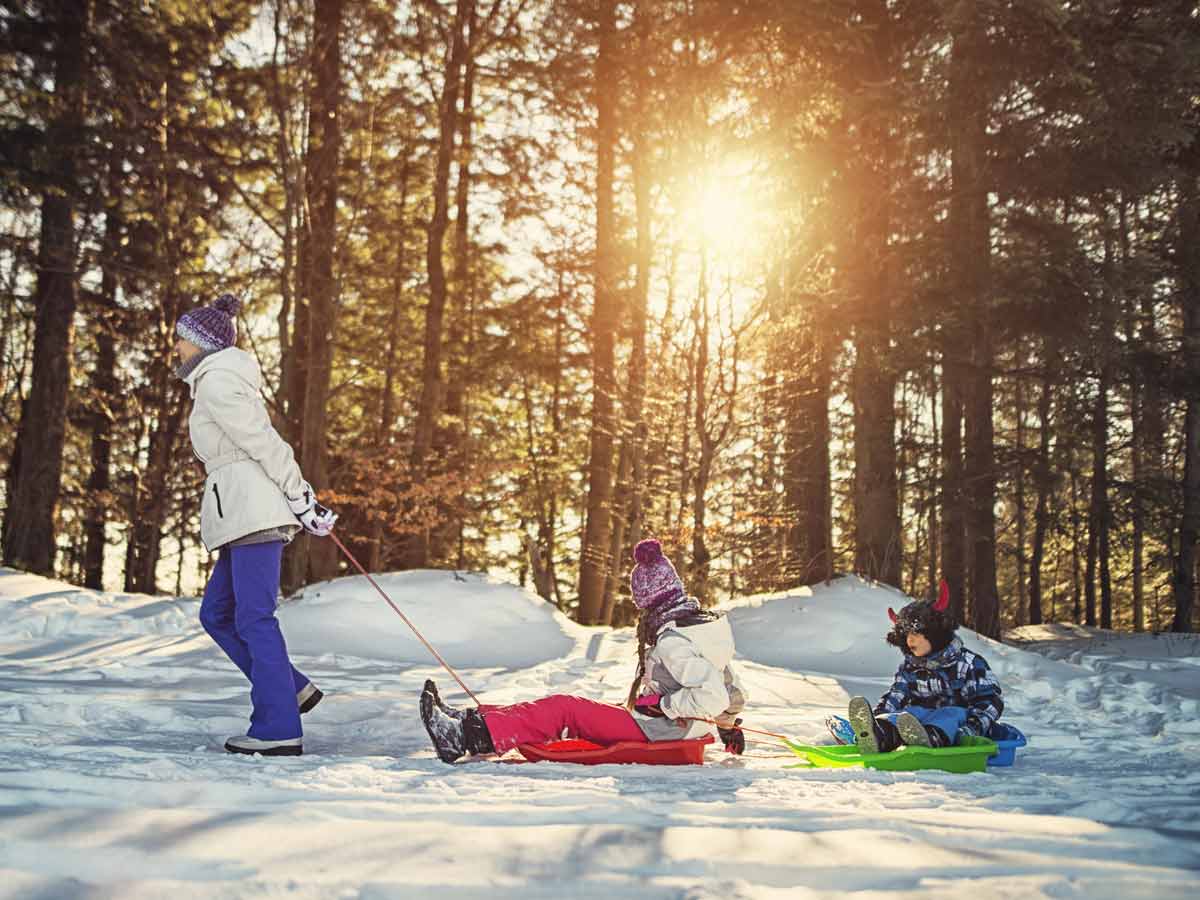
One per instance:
(113,709)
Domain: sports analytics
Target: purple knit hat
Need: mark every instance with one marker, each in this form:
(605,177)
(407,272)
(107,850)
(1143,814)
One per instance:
(653,580)
(211,327)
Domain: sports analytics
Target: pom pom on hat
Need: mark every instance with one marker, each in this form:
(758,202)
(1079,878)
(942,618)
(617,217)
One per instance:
(648,551)
(228,304)
(653,580)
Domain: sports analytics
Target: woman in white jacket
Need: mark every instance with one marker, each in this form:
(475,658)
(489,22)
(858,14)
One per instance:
(255,500)
(685,683)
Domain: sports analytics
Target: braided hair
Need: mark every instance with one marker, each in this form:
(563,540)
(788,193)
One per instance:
(646,640)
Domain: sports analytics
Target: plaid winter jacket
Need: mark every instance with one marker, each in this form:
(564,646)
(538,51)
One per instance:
(954,676)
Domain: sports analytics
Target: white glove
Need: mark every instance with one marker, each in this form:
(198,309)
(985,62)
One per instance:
(315,518)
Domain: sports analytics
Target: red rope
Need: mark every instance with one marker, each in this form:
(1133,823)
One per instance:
(778,737)
(421,637)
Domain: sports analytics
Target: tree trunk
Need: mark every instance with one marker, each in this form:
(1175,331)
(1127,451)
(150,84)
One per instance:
(701,557)
(322,194)
(931,494)
(878,550)
(451,440)
(1138,442)
(430,404)
(954,509)
(1100,513)
(29,529)
(594,557)
(1043,480)
(104,384)
(1183,582)
(1019,490)
(971,274)
(387,399)
(806,467)
(627,504)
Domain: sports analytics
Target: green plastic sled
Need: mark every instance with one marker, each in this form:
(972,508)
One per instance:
(969,756)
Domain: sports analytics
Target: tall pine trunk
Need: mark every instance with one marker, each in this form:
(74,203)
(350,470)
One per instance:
(322,196)
(1043,479)
(452,439)
(971,274)
(104,384)
(878,552)
(954,510)
(432,385)
(1100,510)
(164,400)
(29,533)
(316,317)
(387,399)
(1183,582)
(594,557)
(627,503)
(806,467)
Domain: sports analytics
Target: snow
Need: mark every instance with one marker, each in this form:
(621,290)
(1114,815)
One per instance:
(113,709)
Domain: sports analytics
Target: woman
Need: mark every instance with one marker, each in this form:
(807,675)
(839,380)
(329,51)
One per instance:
(684,683)
(254,494)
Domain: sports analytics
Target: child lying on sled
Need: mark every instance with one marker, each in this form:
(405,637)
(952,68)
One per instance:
(942,690)
(684,681)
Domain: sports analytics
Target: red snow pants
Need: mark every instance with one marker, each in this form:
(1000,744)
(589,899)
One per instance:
(558,716)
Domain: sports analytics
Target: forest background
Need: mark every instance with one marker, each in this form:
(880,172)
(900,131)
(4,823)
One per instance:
(909,288)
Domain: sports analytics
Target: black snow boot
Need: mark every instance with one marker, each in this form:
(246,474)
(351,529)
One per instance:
(872,735)
(437,699)
(454,733)
(912,732)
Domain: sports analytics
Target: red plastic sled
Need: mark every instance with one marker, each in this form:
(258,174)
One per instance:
(653,753)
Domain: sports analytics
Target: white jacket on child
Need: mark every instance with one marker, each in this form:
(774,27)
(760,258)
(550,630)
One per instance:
(250,467)
(690,666)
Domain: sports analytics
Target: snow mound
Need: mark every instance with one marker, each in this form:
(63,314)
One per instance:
(839,628)
(39,608)
(471,619)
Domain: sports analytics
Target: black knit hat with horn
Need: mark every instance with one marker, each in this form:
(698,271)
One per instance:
(933,620)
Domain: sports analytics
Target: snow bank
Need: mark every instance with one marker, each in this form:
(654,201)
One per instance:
(838,629)
(471,619)
(37,608)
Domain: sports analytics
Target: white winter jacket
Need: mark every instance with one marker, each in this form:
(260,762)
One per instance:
(691,667)
(250,467)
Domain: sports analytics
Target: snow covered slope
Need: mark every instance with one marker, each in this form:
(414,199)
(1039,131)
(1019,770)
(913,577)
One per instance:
(113,709)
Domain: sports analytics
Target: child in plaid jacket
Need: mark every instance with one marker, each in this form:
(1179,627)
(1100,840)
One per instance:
(942,690)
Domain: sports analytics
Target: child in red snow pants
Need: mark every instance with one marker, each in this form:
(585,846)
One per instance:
(556,717)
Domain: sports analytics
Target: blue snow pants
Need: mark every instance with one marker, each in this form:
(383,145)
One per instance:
(238,612)
(947,718)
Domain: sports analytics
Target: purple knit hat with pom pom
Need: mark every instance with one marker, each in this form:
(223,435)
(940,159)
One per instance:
(653,580)
(211,327)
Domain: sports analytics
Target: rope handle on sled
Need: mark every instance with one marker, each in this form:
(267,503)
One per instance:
(770,734)
(420,637)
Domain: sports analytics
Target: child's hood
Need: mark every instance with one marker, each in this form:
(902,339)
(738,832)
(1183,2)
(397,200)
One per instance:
(713,639)
(231,359)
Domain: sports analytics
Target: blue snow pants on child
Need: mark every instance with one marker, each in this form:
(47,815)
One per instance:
(238,612)
(947,718)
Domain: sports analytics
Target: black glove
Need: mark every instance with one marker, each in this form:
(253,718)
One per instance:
(734,738)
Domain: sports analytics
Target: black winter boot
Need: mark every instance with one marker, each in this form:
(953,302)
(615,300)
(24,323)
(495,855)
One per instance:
(912,732)
(872,735)
(437,699)
(937,737)
(479,739)
(454,733)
